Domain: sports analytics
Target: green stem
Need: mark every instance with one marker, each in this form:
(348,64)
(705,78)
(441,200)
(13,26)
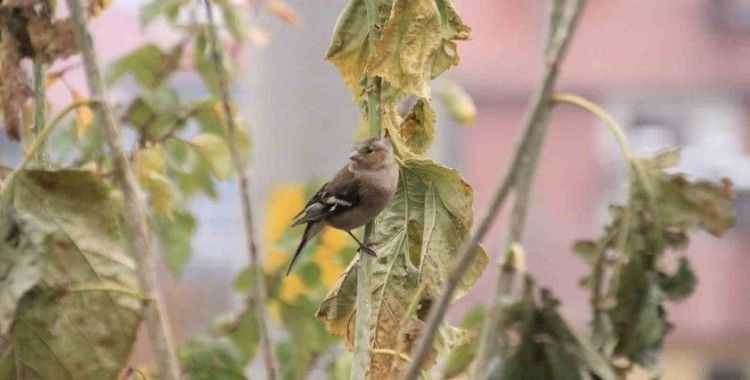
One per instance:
(361,355)
(41,138)
(39,109)
(106,288)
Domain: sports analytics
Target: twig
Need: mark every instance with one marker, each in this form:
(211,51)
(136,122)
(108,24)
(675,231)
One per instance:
(40,139)
(521,156)
(135,217)
(258,292)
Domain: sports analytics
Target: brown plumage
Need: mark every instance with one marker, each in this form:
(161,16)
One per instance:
(354,196)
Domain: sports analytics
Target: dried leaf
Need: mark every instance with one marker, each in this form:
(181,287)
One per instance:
(52,40)
(404,54)
(417,130)
(14,86)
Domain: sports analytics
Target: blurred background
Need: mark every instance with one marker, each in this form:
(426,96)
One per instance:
(672,72)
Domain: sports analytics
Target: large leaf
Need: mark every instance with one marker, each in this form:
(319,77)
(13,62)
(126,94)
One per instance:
(418,44)
(416,238)
(79,321)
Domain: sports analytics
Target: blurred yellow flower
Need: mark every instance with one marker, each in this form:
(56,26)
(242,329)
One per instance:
(291,287)
(283,204)
(330,272)
(335,239)
(275,258)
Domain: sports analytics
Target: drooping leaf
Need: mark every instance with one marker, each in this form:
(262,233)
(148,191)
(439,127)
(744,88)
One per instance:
(415,238)
(460,358)
(349,49)
(79,321)
(632,252)
(417,130)
(547,347)
(214,150)
(411,36)
(52,39)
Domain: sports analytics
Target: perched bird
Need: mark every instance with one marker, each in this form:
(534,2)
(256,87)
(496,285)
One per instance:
(354,196)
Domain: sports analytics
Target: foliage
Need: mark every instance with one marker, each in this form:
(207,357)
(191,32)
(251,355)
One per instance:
(73,292)
(661,209)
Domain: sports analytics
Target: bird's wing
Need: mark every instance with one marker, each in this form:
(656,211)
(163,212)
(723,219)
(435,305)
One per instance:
(336,196)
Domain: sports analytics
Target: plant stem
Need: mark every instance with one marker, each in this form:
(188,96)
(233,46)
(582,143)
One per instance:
(557,47)
(40,100)
(361,355)
(258,292)
(135,217)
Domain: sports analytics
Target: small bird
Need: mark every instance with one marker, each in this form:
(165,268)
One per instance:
(354,196)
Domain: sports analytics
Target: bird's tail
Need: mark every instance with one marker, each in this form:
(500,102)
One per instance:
(311,230)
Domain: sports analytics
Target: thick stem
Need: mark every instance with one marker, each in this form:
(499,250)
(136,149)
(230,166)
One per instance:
(522,155)
(136,225)
(258,292)
(361,355)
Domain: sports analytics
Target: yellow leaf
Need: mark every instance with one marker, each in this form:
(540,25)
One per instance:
(84,116)
(284,202)
(216,152)
(283,11)
(149,164)
(458,103)
(53,77)
(349,46)
(335,239)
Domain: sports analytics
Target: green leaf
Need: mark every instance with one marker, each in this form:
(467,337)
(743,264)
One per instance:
(416,238)
(207,358)
(149,65)
(175,239)
(150,167)
(461,357)
(148,13)
(547,347)
(418,128)
(216,151)
(79,321)
(681,284)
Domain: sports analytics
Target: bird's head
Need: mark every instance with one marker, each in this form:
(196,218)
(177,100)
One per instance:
(371,154)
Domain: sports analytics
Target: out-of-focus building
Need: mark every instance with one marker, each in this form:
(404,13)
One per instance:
(673,73)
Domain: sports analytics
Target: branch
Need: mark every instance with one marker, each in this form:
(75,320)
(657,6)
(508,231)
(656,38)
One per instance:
(555,52)
(136,224)
(258,291)
(534,129)
(361,354)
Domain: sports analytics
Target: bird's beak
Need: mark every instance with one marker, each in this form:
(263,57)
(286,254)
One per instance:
(354,157)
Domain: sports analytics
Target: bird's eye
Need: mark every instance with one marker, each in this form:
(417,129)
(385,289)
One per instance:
(365,150)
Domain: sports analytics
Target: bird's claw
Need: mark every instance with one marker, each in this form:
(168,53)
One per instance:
(367,250)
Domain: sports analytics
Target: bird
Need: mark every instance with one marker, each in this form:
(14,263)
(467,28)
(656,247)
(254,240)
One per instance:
(354,196)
